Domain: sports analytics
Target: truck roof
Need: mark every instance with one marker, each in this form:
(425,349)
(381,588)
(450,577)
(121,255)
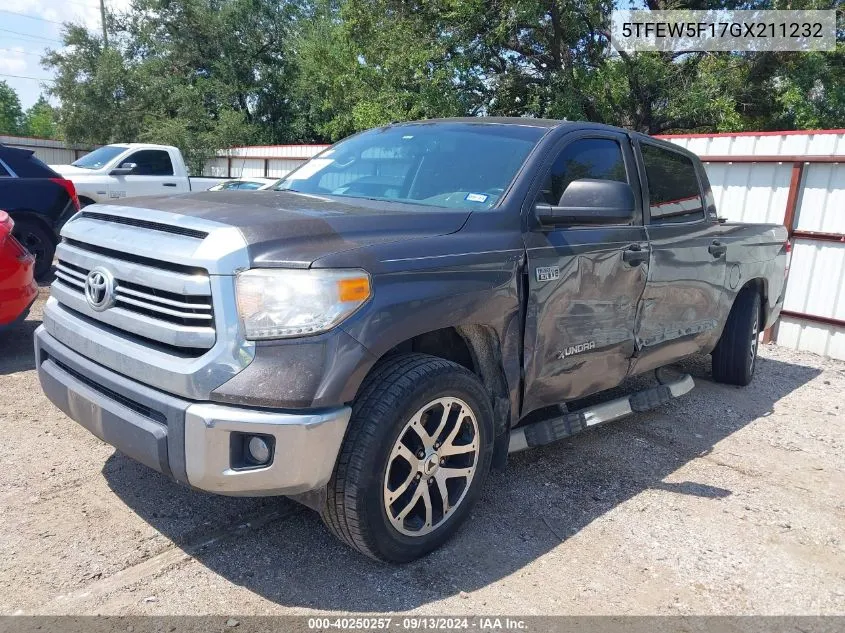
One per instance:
(523,121)
(136,145)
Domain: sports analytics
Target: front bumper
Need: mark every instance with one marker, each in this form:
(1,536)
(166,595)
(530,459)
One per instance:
(192,442)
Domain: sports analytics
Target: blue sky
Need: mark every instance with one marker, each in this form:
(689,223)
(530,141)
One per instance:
(28,28)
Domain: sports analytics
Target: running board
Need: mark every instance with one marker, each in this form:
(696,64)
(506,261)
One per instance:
(560,427)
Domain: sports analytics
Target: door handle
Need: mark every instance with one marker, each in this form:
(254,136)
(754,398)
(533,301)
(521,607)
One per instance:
(717,249)
(169,184)
(635,255)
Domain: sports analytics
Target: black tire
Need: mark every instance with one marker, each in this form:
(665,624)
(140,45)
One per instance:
(395,390)
(40,242)
(735,355)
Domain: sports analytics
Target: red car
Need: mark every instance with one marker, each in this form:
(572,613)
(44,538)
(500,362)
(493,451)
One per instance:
(17,286)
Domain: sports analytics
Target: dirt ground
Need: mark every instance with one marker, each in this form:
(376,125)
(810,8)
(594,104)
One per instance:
(728,501)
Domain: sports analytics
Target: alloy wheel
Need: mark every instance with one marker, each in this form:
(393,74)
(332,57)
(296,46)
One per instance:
(431,466)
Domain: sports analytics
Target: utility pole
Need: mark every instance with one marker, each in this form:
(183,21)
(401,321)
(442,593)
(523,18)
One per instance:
(103,20)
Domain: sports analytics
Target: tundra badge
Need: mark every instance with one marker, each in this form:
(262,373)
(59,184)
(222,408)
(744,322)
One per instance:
(548,273)
(575,349)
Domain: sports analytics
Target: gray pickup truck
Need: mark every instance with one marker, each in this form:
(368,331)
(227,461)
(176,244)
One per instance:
(400,314)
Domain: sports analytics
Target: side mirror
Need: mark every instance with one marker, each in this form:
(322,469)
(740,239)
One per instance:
(588,201)
(124,170)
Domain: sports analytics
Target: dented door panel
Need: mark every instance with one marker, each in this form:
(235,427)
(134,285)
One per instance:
(579,331)
(682,301)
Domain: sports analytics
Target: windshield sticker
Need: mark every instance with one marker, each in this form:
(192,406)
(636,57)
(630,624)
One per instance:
(476,197)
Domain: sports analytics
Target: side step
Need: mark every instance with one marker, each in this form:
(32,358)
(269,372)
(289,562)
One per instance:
(560,427)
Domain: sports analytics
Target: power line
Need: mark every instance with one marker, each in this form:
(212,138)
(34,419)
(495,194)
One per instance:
(20,52)
(31,17)
(20,39)
(38,37)
(26,77)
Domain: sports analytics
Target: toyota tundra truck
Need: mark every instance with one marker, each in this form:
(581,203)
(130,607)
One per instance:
(400,313)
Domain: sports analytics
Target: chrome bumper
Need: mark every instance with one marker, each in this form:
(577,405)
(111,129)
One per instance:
(189,441)
(306,447)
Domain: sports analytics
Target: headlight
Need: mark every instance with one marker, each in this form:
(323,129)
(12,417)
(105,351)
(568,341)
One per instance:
(282,303)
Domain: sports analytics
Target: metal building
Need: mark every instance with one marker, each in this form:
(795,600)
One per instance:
(798,179)
(48,151)
(271,161)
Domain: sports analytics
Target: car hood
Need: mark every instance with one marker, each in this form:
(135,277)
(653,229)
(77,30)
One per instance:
(286,229)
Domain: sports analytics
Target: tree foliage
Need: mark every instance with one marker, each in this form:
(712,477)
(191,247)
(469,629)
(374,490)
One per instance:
(11,116)
(208,74)
(40,120)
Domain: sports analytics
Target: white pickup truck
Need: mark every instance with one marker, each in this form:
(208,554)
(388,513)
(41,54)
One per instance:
(129,170)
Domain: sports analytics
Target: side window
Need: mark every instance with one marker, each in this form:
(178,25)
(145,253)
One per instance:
(597,158)
(4,173)
(673,190)
(151,162)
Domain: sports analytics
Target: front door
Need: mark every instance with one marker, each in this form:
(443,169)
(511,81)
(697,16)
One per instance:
(152,176)
(585,283)
(681,304)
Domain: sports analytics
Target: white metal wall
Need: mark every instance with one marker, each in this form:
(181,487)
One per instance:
(757,192)
(279,160)
(47,150)
(820,143)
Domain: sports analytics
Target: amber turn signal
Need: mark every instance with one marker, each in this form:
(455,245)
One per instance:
(356,289)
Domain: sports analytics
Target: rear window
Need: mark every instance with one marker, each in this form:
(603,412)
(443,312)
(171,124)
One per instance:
(23,163)
(673,189)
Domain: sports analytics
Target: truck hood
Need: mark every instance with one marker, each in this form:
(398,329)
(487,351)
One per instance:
(286,229)
(70,170)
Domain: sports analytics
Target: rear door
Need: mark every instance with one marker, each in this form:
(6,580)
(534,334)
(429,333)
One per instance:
(681,304)
(584,282)
(152,176)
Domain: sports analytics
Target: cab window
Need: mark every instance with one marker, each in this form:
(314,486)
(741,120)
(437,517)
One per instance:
(151,162)
(596,158)
(673,190)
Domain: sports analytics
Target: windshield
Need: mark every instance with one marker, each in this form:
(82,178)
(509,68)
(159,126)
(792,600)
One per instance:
(452,165)
(99,157)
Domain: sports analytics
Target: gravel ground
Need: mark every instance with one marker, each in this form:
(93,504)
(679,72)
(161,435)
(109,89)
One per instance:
(728,501)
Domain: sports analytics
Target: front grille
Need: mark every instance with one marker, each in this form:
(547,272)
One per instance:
(145,224)
(153,302)
(167,306)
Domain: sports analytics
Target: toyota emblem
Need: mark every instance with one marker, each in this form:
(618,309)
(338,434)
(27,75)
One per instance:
(99,289)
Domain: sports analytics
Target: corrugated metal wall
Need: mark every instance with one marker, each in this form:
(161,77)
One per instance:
(47,150)
(272,161)
(758,192)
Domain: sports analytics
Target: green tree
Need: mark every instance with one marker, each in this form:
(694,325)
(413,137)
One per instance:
(199,74)
(364,63)
(40,120)
(100,96)
(208,74)
(11,115)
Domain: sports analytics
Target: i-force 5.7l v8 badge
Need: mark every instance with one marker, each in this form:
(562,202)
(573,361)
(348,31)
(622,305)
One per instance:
(548,273)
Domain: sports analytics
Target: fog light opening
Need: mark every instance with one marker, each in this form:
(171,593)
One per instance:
(259,450)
